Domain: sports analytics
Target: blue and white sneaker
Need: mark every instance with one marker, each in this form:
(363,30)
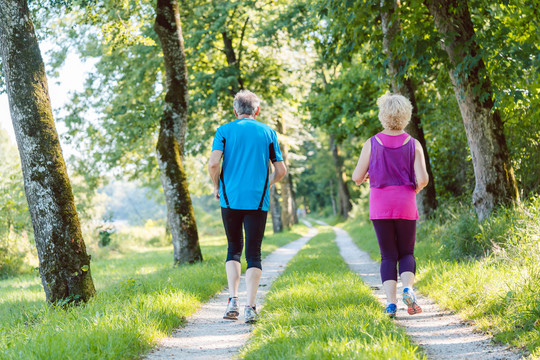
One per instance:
(391,310)
(233,309)
(250,314)
(410,300)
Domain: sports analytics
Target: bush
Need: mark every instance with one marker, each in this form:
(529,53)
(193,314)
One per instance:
(105,234)
(17,255)
(455,225)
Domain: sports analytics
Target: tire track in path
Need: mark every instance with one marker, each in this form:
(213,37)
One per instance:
(441,334)
(206,334)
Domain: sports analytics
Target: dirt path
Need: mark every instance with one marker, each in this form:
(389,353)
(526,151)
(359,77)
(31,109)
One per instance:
(441,334)
(207,335)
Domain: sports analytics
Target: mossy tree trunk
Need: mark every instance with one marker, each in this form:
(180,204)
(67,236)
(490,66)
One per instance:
(495,182)
(64,265)
(402,84)
(344,205)
(288,212)
(170,146)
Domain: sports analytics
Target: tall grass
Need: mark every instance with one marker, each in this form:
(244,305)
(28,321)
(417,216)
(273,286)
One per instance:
(140,299)
(489,272)
(319,309)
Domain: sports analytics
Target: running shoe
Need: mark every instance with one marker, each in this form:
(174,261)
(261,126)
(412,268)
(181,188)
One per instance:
(233,310)
(391,310)
(250,314)
(410,300)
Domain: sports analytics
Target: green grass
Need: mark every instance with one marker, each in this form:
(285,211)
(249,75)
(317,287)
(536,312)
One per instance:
(319,309)
(499,290)
(140,299)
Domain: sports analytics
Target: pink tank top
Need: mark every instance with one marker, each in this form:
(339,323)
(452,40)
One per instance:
(392,178)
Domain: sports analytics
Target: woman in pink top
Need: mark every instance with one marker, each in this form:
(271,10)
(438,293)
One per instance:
(395,165)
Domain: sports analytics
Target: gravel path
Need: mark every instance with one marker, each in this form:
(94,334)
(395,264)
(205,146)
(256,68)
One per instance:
(207,335)
(441,334)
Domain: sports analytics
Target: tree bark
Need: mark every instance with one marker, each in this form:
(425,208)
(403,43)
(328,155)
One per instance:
(64,265)
(332,198)
(288,212)
(402,84)
(495,182)
(343,191)
(232,60)
(275,210)
(170,146)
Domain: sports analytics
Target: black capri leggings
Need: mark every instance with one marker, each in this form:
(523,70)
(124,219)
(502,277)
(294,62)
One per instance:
(396,240)
(254,224)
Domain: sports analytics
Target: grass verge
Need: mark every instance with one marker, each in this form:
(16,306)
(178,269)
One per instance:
(319,309)
(140,299)
(499,291)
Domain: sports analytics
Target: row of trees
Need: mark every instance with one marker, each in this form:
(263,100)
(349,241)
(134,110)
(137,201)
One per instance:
(408,33)
(318,65)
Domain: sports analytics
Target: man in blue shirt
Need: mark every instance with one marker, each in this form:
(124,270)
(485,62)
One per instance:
(247,146)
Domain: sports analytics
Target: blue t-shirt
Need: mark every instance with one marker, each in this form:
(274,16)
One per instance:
(247,146)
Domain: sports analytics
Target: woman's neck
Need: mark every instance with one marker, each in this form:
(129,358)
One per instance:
(392,132)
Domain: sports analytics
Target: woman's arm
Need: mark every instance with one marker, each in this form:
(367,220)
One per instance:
(422,177)
(360,173)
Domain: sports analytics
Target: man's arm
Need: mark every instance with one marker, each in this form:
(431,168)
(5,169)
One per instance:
(213,170)
(279,172)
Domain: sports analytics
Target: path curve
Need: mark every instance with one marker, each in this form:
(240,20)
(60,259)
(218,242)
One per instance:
(207,335)
(441,334)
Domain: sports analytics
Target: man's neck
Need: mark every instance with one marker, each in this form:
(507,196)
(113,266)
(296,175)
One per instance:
(245,116)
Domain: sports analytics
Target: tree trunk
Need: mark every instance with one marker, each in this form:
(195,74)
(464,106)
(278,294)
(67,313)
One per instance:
(232,60)
(343,191)
(495,182)
(275,210)
(401,84)
(170,146)
(64,265)
(293,198)
(288,212)
(332,198)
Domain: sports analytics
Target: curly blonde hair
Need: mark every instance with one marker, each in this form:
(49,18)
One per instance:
(394,111)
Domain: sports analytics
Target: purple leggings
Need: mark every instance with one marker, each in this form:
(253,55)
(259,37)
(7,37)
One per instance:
(396,240)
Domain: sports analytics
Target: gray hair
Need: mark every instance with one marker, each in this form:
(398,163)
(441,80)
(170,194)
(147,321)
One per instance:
(394,111)
(246,102)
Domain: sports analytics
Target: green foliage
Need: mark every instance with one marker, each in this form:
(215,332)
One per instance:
(345,107)
(105,234)
(319,308)
(508,34)
(446,141)
(114,119)
(16,234)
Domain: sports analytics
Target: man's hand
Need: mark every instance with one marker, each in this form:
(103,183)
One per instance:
(280,170)
(216,193)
